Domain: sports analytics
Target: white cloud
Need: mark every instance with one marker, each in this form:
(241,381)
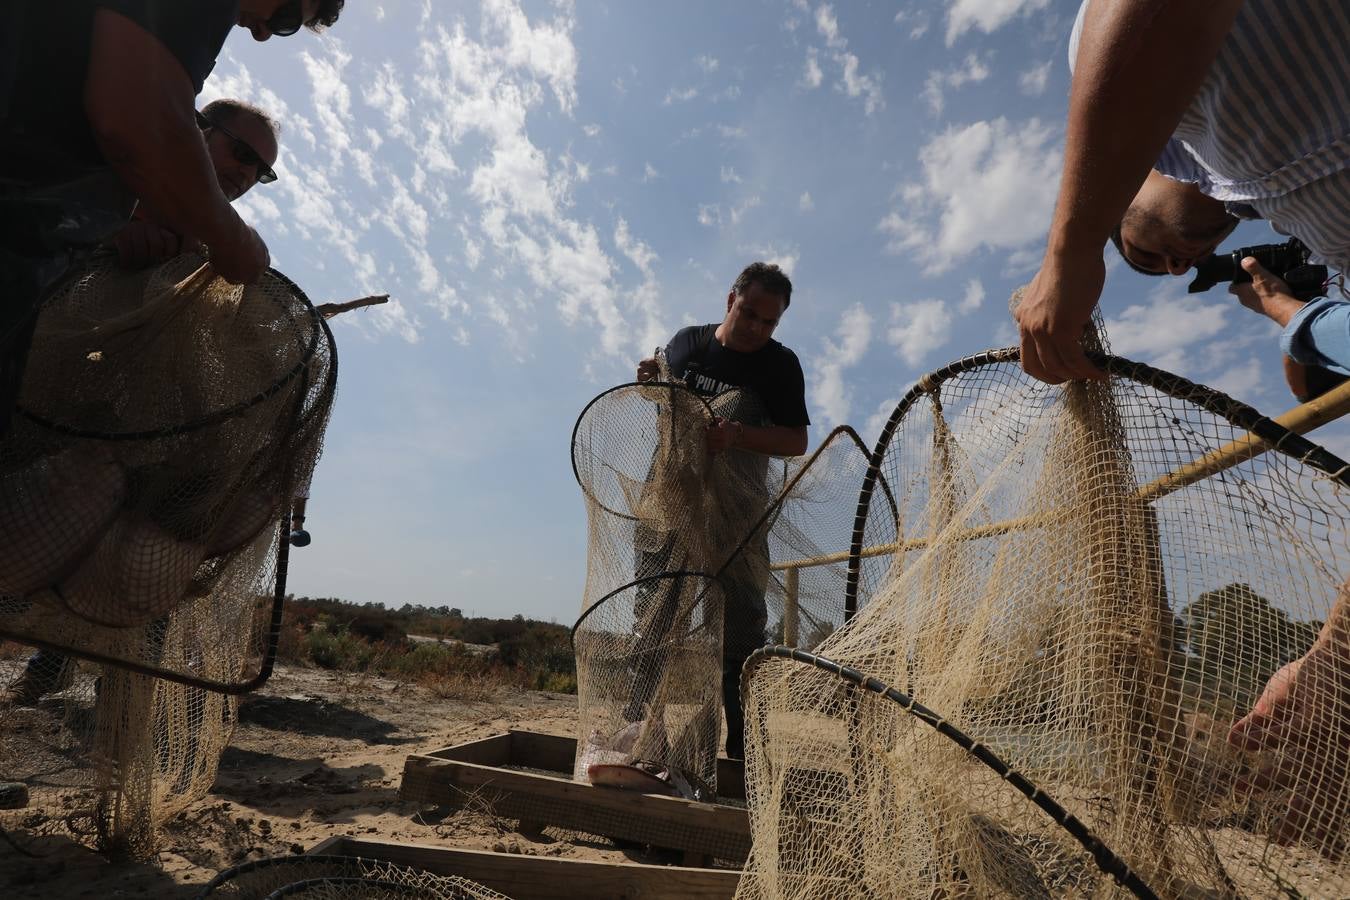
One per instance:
(1167,330)
(989,184)
(649,173)
(385,93)
(972,70)
(851,80)
(714,214)
(919,20)
(805,203)
(973,298)
(1034,80)
(680,95)
(1242,380)
(783,257)
(986,15)
(590,130)
(846,349)
(707,63)
(813,76)
(917,328)
(729,176)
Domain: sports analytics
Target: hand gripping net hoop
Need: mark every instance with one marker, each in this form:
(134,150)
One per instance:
(683,575)
(165,421)
(1039,691)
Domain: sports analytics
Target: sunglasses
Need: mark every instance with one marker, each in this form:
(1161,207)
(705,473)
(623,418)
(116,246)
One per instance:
(243,153)
(287,20)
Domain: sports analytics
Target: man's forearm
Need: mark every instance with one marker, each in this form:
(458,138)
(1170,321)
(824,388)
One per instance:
(1140,63)
(773,440)
(140,107)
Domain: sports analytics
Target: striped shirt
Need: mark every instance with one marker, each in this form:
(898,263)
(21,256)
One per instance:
(1268,133)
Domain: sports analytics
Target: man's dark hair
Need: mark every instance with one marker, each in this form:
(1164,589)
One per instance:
(328,13)
(769,277)
(1120,247)
(226,111)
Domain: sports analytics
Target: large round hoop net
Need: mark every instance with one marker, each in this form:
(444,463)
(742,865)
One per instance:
(688,567)
(339,878)
(165,423)
(1086,586)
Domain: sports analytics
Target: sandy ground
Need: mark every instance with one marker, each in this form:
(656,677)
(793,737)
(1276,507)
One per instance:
(316,754)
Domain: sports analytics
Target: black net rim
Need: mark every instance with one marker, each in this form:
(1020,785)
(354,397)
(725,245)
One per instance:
(671,386)
(337,861)
(321,332)
(1103,856)
(646,579)
(1215,402)
(342,881)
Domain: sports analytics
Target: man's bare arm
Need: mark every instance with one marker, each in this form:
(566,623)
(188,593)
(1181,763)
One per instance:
(139,102)
(1140,63)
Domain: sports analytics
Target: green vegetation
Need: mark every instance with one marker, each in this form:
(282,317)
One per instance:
(478,656)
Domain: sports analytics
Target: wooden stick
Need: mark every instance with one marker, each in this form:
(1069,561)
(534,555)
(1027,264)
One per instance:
(328,310)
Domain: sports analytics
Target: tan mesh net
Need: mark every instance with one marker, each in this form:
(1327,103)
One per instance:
(165,421)
(339,878)
(1037,698)
(685,569)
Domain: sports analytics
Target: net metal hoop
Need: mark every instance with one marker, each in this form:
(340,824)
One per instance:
(1106,859)
(343,871)
(659,576)
(301,888)
(219,415)
(1212,401)
(576,429)
(768,513)
(268,661)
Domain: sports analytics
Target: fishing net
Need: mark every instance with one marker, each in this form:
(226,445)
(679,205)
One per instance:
(1037,698)
(689,569)
(165,419)
(339,878)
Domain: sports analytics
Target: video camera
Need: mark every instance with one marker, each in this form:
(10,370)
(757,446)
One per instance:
(1288,261)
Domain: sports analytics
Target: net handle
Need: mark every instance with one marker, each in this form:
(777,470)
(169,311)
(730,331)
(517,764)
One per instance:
(1104,857)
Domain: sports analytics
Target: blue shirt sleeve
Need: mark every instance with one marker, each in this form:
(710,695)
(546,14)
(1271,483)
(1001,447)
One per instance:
(1319,335)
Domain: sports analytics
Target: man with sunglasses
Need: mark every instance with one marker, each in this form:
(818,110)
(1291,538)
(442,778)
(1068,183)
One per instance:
(241,142)
(1238,107)
(97,105)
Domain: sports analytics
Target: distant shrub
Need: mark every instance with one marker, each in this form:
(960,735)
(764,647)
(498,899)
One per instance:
(338,649)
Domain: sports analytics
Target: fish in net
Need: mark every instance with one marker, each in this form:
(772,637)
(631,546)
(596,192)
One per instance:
(324,877)
(689,569)
(1087,585)
(164,422)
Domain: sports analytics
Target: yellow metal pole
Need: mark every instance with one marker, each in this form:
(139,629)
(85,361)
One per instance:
(1301,419)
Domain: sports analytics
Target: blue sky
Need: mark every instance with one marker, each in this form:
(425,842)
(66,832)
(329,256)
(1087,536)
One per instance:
(548,190)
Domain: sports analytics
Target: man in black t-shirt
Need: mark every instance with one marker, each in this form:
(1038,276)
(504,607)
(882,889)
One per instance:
(97,111)
(741,353)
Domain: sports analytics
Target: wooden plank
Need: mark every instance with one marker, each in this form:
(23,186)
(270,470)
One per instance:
(490,751)
(719,831)
(551,752)
(557,753)
(549,878)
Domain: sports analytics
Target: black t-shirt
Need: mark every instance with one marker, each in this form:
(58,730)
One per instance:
(772,372)
(45,135)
